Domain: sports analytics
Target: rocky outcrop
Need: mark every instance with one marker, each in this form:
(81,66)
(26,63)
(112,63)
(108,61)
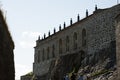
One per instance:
(102,63)
(65,64)
(7,71)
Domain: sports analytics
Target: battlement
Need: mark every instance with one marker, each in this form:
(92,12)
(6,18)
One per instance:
(70,25)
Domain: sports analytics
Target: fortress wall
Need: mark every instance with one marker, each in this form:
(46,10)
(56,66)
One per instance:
(41,68)
(100,32)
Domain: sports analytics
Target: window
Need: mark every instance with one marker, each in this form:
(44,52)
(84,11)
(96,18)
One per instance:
(60,46)
(43,55)
(67,43)
(48,53)
(75,40)
(83,37)
(38,56)
(53,51)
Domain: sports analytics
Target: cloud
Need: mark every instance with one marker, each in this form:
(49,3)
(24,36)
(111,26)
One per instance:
(27,44)
(22,70)
(28,39)
(30,34)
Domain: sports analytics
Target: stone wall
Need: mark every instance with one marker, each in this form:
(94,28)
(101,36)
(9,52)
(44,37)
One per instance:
(43,67)
(7,71)
(118,44)
(91,34)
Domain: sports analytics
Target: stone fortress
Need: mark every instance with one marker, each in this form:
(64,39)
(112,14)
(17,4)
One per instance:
(87,36)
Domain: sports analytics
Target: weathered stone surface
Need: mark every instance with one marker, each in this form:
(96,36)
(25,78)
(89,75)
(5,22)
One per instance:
(118,44)
(65,64)
(73,62)
(7,71)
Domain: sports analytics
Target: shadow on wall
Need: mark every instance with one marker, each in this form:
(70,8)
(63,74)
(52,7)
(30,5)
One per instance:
(73,62)
(7,71)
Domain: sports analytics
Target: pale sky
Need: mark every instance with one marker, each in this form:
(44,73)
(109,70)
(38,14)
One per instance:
(29,18)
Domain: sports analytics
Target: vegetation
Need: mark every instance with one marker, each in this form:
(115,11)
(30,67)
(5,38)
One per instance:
(29,74)
(99,73)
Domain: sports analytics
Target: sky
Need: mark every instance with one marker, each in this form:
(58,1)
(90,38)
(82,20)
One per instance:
(27,19)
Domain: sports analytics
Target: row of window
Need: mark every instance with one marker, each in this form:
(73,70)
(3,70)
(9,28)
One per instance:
(75,37)
(67,44)
(48,53)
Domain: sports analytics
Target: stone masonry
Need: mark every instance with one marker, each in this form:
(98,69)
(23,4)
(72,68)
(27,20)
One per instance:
(90,35)
(118,44)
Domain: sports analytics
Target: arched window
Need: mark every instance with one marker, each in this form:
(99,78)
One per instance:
(83,37)
(60,46)
(53,51)
(43,55)
(67,43)
(38,56)
(75,40)
(48,53)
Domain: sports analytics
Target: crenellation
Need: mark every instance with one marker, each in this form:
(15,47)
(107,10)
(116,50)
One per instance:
(86,12)
(96,8)
(71,22)
(60,27)
(78,18)
(54,30)
(44,35)
(64,25)
(49,34)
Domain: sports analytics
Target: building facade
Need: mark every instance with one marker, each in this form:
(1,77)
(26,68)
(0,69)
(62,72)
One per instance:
(89,35)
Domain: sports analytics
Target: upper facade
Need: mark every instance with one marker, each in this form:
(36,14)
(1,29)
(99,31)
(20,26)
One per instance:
(89,35)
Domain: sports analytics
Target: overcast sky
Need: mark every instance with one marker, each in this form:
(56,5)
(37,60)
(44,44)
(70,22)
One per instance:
(29,18)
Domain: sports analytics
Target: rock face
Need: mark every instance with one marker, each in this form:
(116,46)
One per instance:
(76,63)
(65,64)
(7,71)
